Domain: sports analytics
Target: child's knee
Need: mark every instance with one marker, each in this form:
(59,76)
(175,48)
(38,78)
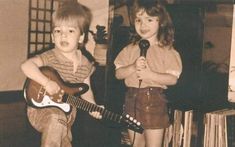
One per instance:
(56,119)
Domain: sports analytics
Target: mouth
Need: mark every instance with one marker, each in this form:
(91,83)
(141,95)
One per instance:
(143,31)
(64,43)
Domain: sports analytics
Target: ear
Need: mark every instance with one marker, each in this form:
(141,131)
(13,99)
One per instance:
(81,39)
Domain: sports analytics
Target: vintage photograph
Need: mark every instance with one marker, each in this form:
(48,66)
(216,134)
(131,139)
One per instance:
(117,73)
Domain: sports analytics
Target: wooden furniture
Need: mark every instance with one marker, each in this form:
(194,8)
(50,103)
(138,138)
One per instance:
(219,128)
(179,134)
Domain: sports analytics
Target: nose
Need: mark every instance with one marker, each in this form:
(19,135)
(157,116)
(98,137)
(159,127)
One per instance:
(143,24)
(63,34)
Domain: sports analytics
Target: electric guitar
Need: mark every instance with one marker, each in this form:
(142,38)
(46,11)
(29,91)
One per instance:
(69,95)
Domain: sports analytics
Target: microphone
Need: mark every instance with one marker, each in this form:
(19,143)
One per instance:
(143,45)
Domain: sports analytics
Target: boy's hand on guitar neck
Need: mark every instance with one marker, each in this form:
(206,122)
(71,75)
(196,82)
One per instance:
(52,87)
(96,114)
(35,96)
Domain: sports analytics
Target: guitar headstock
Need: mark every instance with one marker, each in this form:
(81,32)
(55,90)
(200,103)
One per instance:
(132,124)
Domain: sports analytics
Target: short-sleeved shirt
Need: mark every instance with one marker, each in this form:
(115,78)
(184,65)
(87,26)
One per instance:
(159,59)
(64,66)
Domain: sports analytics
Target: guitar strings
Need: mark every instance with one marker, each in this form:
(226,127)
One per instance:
(87,106)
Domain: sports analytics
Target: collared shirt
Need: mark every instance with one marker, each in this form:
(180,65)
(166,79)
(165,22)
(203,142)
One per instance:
(161,60)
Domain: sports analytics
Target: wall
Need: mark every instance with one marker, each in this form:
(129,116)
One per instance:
(217,31)
(14,37)
(13,42)
(100,12)
(231,92)
(220,37)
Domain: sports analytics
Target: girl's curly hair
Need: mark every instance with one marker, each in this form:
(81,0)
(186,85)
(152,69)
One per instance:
(154,8)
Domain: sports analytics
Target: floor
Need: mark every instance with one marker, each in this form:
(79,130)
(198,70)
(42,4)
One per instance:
(15,130)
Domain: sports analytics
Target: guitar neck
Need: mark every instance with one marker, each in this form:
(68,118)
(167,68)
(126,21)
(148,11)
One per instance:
(90,107)
(36,96)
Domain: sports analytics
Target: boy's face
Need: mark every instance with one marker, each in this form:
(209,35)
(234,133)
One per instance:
(146,26)
(66,35)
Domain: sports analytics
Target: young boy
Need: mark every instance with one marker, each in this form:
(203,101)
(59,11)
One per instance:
(70,22)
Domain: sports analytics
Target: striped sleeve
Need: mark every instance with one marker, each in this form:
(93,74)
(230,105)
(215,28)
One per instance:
(46,57)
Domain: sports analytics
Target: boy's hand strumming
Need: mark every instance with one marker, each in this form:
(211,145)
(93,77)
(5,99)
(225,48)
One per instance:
(52,87)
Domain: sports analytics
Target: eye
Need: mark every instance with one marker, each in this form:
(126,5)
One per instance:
(56,31)
(71,31)
(137,20)
(150,19)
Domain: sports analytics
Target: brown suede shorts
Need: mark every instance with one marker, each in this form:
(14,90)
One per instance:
(149,106)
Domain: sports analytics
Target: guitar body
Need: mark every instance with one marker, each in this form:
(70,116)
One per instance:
(69,95)
(36,95)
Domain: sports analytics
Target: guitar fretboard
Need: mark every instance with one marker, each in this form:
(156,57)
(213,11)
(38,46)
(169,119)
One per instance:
(35,97)
(89,107)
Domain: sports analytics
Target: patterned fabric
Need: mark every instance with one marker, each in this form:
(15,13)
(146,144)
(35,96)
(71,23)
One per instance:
(53,123)
(65,66)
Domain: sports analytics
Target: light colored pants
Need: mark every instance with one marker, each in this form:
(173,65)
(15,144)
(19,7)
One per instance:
(54,125)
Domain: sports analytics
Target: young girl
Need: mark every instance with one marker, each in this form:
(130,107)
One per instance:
(147,77)
(70,22)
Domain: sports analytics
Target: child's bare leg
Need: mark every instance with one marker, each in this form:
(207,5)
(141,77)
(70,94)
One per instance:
(153,137)
(137,138)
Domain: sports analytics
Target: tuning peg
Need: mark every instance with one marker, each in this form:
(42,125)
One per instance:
(138,123)
(127,116)
(135,121)
(131,118)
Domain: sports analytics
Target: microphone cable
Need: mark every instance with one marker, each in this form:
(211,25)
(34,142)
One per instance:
(133,140)
(143,45)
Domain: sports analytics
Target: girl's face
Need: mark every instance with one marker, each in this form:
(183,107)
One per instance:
(146,26)
(66,35)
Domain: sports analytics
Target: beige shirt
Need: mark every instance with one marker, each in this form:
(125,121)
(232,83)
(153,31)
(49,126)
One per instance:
(65,66)
(161,60)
